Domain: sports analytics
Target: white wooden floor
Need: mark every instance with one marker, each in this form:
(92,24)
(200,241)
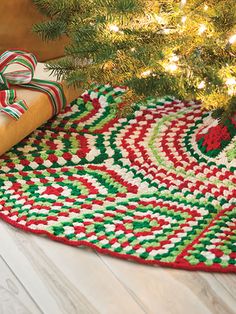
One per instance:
(38,275)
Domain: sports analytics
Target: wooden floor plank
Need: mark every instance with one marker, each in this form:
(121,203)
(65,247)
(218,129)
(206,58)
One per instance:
(13,296)
(87,273)
(163,290)
(46,285)
(229,283)
(211,292)
(75,278)
(63,279)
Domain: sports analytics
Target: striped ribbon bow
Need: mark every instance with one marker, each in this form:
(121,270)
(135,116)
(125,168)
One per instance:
(24,77)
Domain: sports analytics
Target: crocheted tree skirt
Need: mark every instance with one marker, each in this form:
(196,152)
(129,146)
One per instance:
(158,187)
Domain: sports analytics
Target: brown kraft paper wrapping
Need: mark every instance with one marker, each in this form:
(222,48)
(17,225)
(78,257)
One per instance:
(12,132)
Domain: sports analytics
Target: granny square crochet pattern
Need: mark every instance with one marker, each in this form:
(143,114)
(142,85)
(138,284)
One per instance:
(157,187)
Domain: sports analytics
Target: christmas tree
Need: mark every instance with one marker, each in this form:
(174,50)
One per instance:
(182,48)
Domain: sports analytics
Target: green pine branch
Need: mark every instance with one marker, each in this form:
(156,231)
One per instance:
(154,47)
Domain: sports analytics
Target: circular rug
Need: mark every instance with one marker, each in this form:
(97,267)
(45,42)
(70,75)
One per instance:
(157,187)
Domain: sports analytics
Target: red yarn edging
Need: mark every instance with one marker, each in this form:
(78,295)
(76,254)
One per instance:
(201,266)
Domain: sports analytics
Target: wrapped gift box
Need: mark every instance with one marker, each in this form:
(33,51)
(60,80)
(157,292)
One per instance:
(39,111)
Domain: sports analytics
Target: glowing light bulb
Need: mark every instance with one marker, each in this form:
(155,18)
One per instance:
(182,3)
(232,39)
(184,19)
(132,49)
(174,58)
(231,92)
(160,20)
(171,67)
(146,73)
(202,29)
(166,31)
(230,81)
(201,85)
(206,7)
(114,28)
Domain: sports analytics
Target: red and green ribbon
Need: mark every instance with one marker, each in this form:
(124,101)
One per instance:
(8,103)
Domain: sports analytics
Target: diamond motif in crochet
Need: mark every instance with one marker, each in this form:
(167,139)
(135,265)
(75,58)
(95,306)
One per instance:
(142,188)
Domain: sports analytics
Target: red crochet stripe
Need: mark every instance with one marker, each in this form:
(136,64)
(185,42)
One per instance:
(177,264)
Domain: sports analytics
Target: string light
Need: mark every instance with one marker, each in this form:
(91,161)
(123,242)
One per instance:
(166,31)
(231,92)
(171,67)
(206,7)
(184,19)
(232,39)
(114,28)
(182,3)
(174,58)
(160,20)
(201,85)
(230,81)
(202,29)
(146,73)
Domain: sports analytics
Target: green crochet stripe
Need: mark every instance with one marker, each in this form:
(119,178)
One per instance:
(138,187)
